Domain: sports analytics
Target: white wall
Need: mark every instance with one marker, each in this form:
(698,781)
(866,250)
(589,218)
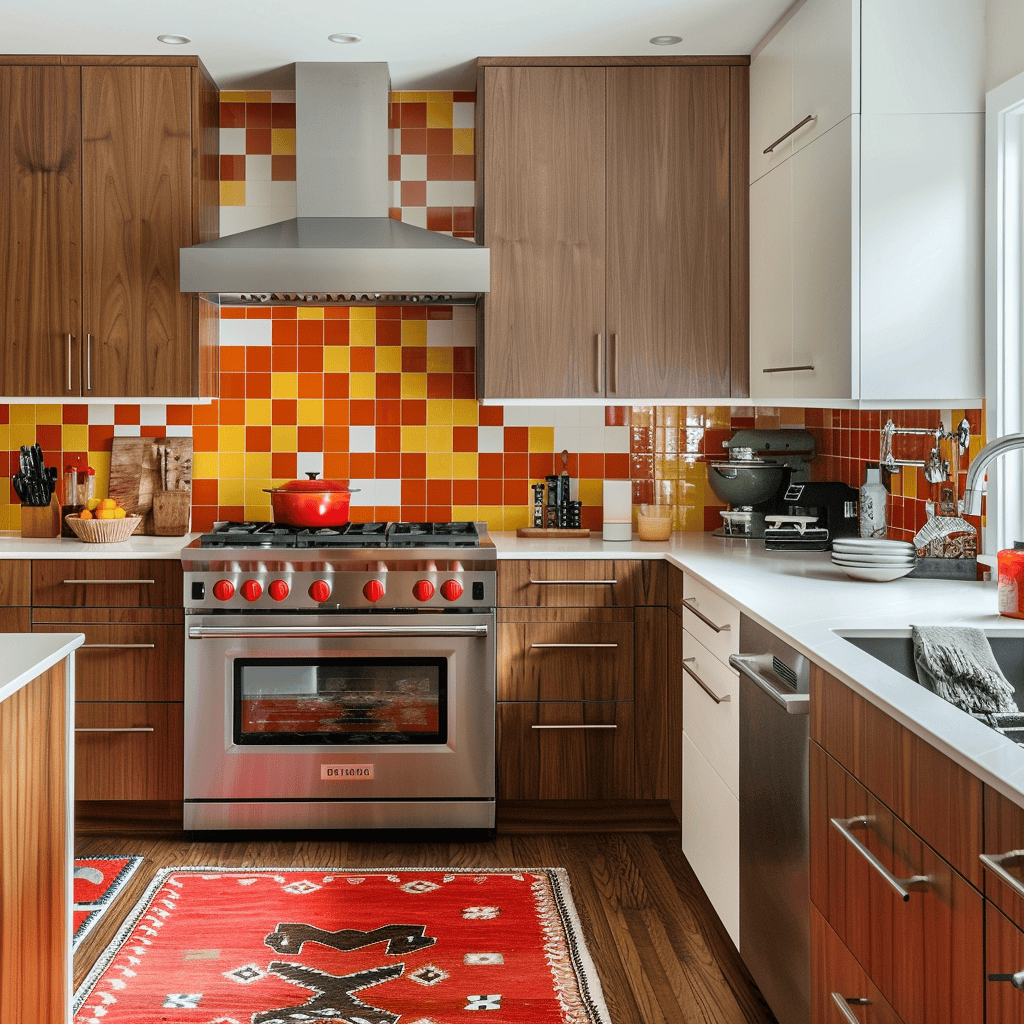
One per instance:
(1005,32)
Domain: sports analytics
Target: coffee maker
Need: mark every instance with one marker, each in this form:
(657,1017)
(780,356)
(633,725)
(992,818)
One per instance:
(812,516)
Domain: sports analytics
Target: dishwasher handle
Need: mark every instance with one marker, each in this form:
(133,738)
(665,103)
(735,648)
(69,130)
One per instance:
(750,665)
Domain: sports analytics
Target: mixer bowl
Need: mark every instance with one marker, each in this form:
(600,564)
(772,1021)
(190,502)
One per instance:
(744,483)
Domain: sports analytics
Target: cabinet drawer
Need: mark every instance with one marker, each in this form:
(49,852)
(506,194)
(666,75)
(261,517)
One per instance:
(140,662)
(113,583)
(1004,835)
(561,750)
(115,762)
(923,949)
(711,710)
(583,584)
(565,661)
(675,590)
(711,619)
(1004,955)
(711,835)
(15,584)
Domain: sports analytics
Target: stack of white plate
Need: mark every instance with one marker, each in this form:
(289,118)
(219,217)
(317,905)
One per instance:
(864,558)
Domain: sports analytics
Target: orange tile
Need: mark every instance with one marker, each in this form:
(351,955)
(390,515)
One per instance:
(361,465)
(414,193)
(388,466)
(284,360)
(126,414)
(414,411)
(311,332)
(362,359)
(464,439)
(257,141)
(284,332)
(389,412)
(284,312)
(232,359)
(177,415)
(439,385)
(414,466)
(361,412)
(336,387)
(257,359)
(336,313)
(311,439)
(388,439)
(204,439)
(336,413)
(232,115)
(439,218)
(232,313)
(257,439)
(283,465)
(232,411)
(205,414)
(591,465)
(257,385)
(336,465)
(311,385)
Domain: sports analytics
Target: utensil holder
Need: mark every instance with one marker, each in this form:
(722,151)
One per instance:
(41,521)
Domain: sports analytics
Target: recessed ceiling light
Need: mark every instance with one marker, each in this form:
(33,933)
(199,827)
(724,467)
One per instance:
(344,37)
(174,40)
(666,40)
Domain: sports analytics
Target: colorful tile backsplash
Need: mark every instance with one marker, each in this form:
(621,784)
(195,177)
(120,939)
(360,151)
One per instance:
(385,397)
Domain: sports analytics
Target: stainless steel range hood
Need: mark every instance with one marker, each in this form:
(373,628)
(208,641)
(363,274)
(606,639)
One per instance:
(342,247)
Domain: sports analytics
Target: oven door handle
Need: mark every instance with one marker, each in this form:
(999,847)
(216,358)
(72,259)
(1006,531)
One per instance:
(272,632)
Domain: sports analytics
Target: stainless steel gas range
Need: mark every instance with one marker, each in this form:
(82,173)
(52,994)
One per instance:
(340,678)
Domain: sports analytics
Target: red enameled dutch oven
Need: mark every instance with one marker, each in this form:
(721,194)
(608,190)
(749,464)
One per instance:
(313,503)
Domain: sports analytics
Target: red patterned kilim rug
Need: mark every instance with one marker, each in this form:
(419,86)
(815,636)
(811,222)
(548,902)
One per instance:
(340,946)
(97,881)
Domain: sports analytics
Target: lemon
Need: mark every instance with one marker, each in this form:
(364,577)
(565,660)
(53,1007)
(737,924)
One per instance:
(104,513)
(107,503)
(120,513)
(91,504)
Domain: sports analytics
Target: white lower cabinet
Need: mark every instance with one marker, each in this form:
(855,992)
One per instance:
(711,835)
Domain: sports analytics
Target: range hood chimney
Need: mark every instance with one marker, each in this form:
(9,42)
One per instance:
(342,248)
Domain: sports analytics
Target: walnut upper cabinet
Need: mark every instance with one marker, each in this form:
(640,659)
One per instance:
(107,167)
(613,202)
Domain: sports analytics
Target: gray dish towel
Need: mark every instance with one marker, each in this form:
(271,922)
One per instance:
(956,662)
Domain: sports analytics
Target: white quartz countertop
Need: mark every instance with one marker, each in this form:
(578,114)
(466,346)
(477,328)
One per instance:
(810,603)
(13,545)
(28,655)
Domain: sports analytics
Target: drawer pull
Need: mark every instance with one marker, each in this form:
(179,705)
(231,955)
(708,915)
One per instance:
(573,645)
(574,727)
(704,686)
(995,861)
(574,583)
(1016,980)
(106,583)
(899,885)
(788,369)
(844,1003)
(143,728)
(121,647)
(688,602)
(795,128)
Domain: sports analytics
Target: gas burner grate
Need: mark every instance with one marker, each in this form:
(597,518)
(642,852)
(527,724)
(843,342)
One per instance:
(350,535)
(410,535)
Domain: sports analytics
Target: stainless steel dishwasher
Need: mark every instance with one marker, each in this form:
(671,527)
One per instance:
(774,889)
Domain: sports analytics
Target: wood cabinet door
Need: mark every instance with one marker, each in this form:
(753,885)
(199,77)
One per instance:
(137,198)
(669,218)
(543,162)
(674,705)
(40,241)
(1004,959)
(107,583)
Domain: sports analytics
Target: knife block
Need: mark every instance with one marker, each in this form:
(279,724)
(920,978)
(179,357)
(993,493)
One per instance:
(43,521)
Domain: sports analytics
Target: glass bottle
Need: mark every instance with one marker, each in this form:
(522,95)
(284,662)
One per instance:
(1011,580)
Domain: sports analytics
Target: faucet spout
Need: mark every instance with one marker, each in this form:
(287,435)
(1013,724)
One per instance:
(974,486)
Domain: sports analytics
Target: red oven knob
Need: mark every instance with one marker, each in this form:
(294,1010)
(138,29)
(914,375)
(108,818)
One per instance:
(451,590)
(320,590)
(373,591)
(251,590)
(278,590)
(223,590)
(423,590)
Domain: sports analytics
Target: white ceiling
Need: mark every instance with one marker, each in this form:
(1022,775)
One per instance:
(428,44)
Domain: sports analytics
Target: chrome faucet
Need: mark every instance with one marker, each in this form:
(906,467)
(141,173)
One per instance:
(980,463)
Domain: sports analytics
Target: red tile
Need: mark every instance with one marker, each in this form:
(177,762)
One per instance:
(517,439)
(439,218)
(282,167)
(415,514)
(361,412)
(361,465)
(389,385)
(311,385)
(464,97)
(388,466)
(284,360)
(284,332)
(49,437)
(713,517)
(284,312)
(283,465)
(257,115)
(387,313)
(336,414)
(414,312)
(439,312)
(232,115)
(232,167)
(439,166)
(388,438)
(177,415)
(257,385)
(126,414)
(204,492)
(362,359)
(282,115)
(310,332)
(614,416)
(336,465)
(464,492)
(311,439)
(73,414)
(232,411)
(414,411)
(336,386)
(463,218)
(517,492)
(643,492)
(283,412)
(591,466)
(516,465)
(413,142)
(414,466)
(414,193)
(257,141)
(203,516)
(712,442)
(464,439)
(491,467)
(542,464)
(491,415)
(464,359)
(311,360)
(5,415)
(336,313)
(492,492)
(394,167)
(204,439)
(414,492)
(389,332)
(414,360)
(232,385)
(439,492)
(463,167)
(257,359)
(413,115)
(439,385)
(257,439)
(439,143)
(464,385)
(336,332)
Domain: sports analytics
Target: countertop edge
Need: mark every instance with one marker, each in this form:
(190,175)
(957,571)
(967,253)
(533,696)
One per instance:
(41,651)
(14,546)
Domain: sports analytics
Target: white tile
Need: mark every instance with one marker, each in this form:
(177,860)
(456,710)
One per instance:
(309,462)
(232,141)
(246,332)
(283,193)
(463,193)
(464,313)
(439,193)
(394,141)
(519,416)
(388,492)
(567,416)
(365,492)
(439,334)
(414,167)
(282,95)
(99,413)
(464,333)
(153,415)
(257,193)
(591,415)
(396,193)
(126,430)
(616,439)
(463,115)
(568,437)
(488,439)
(257,168)
(179,430)
(362,439)
(415,215)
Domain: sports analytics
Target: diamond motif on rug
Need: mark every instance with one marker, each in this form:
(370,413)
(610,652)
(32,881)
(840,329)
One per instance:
(428,974)
(420,886)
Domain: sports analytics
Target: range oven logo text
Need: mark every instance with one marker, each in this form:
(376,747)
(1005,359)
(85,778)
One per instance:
(346,772)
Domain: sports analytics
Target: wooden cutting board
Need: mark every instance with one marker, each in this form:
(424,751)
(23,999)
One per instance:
(141,467)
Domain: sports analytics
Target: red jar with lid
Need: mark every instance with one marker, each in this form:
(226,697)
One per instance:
(1011,580)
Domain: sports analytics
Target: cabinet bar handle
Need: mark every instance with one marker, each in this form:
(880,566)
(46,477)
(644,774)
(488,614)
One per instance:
(599,364)
(145,728)
(107,583)
(844,1004)
(121,647)
(614,374)
(843,825)
(704,686)
(1016,980)
(786,369)
(573,645)
(795,128)
(71,338)
(574,727)
(995,861)
(573,583)
(688,603)
(88,362)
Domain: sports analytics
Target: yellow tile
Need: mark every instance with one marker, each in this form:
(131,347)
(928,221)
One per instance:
(310,312)
(231,492)
(389,359)
(49,414)
(439,439)
(232,467)
(254,492)
(414,439)
(258,412)
(909,475)
(439,113)
(284,385)
(464,513)
(231,438)
(336,359)
(414,385)
(439,412)
(690,519)
(233,97)
(5,510)
(257,466)
(5,446)
(22,434)
(516,517)
(591,493)
(311,412)
(896,484)
(74,436)
(362,385)
(440,360)
(282,141)
(100,461)
(492,515)
(542,439)
(462,141)
(257,96)
(439,465)
(15,517)
(232,193)
(362,313)
(464,465)
(22,414)
(362,332)
(417,97)
(284,438)
(414,333)
(465,412)
(259,513)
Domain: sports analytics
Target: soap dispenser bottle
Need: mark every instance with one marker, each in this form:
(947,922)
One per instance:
(872,504)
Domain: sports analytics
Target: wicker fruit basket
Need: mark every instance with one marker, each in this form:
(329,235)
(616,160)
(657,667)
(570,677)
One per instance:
(103,531)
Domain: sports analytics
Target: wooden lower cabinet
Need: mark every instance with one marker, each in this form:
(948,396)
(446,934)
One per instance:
(674,711)
(1004,962)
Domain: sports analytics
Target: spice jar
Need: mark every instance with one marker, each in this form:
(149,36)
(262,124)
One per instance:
(1011,580)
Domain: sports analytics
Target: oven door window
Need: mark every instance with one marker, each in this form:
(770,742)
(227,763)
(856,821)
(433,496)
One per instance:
(299,701)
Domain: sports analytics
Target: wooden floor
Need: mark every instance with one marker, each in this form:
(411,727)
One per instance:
(660,951)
